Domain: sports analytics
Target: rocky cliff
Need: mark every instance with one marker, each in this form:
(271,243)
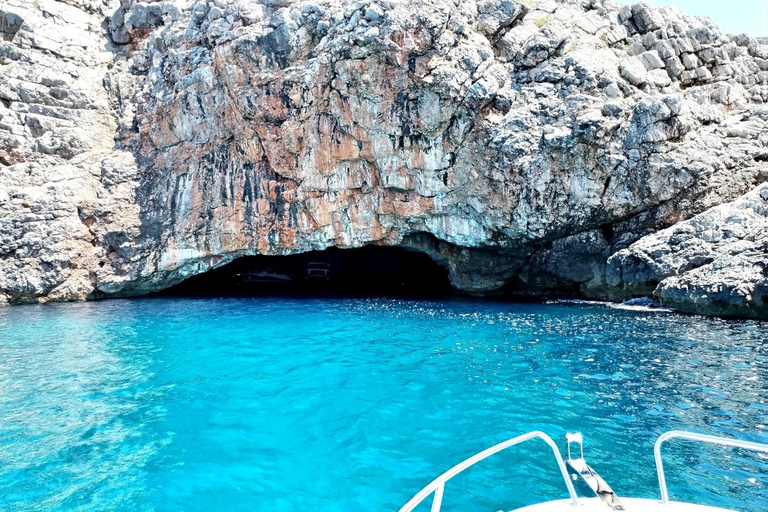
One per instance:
(715,263)
(527,145)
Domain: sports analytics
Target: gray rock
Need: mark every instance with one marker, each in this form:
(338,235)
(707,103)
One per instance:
(634,72)
(690,61)
(665,50)
(493,16)
(736,287)
(715,263)
(612,90)
(374,14)
(651,60)
(513,142)
(143,16)
(10,23)
(703,73)
(674,67)
(636,49)
(647,19)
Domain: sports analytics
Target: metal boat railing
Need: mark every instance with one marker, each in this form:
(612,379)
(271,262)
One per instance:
(437,486)
(724,441)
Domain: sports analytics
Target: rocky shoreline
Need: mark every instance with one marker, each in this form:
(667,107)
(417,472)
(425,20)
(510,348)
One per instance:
(533,147)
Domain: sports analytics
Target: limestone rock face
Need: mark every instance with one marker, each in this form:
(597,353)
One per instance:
(58,152)
(520,143)
(715,263)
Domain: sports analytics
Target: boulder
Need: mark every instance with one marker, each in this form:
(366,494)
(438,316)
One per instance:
(715,263)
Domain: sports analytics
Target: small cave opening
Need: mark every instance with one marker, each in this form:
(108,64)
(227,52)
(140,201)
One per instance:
(369,271)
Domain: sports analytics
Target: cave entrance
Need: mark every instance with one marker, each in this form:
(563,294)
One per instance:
(370,271)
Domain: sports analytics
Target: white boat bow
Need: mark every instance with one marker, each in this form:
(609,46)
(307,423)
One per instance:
(605,499)
(630,505)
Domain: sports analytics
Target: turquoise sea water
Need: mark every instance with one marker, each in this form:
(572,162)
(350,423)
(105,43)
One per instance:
(275,404)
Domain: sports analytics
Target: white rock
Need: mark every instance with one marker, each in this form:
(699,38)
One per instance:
(651,60)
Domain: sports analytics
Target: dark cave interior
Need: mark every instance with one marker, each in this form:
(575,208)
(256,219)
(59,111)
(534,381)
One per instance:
(370,271)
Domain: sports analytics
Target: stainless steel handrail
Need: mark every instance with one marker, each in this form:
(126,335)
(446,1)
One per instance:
(724,441)
(437,486)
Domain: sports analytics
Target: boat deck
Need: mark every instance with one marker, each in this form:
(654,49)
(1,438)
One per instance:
(630,505)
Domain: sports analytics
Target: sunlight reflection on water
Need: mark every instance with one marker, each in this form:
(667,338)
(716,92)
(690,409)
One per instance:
(338,405)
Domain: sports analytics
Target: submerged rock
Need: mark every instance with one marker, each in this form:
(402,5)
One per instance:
(519,143)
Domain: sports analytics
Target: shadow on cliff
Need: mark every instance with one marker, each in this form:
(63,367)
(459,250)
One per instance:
(371,271)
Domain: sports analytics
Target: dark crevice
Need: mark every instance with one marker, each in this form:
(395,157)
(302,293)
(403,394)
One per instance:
(606,185)
(694,263)
(607,231)
(371,271)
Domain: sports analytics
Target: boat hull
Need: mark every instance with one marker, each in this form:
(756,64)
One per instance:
(630,505)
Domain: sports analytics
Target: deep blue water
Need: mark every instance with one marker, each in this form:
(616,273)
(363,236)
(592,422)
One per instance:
(277,404)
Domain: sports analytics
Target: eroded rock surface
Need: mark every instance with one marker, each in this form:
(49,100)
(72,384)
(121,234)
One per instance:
(519,143)
(58,152)
(715,263)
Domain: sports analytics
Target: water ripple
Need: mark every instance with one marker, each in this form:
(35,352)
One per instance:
(338,405)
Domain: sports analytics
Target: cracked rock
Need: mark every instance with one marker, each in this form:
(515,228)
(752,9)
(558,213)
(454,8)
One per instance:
(525,145)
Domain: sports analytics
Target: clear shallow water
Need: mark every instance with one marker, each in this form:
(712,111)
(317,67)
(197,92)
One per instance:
(345,405)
